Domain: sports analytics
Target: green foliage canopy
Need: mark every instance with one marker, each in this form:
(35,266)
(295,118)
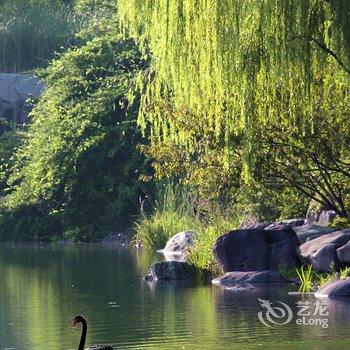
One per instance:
(78,168)
(243,74)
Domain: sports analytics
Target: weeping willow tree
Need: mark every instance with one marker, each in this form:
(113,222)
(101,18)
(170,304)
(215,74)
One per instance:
(232,77)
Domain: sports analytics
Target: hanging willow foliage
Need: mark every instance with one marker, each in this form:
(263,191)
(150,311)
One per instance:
(233,67)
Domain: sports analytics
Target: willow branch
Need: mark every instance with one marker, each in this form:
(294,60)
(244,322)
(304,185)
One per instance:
(331,53)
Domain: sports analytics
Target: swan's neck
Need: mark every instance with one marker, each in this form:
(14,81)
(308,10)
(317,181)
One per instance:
(83,335)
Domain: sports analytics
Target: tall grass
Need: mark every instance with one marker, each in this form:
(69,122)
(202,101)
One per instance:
(31,31)
(201,253)
(306,276)
(173,212)
(310,280)
(344,272)
(325,278)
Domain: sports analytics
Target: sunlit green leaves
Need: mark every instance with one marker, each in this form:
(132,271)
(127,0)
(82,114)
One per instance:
(79,164)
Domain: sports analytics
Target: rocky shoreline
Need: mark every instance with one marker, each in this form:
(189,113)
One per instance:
(251,258)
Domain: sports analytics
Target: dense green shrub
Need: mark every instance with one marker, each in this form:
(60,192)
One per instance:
(78,169)
(29,223)
(10,139)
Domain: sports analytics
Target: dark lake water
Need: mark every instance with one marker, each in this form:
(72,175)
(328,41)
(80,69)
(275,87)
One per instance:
(42,287)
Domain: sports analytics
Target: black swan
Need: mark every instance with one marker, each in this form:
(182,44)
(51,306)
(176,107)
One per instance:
(81,319)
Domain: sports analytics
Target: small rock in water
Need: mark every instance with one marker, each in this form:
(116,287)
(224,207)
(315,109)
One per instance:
(336,289)
(250,277)
(169,270)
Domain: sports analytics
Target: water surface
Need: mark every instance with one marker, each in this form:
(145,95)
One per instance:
(42,287)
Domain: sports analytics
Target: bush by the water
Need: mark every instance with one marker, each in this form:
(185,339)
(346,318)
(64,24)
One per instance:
(174,211)
(78,169)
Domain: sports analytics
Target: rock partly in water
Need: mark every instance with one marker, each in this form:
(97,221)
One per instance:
(321,252)
(257,250)
(290,223)
(169,270)
(312,231)
(336,289)
(177,246)
(250,277)
(15,90)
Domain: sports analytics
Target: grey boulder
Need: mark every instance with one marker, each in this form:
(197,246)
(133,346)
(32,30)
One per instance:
(319,214)
(257,250)
(252,222)
(179,244)
(15,90)
(326,217)
(167,270)
(290,223)
(336,289)
(322,252)
(312,231)
(343,253)
(250,277)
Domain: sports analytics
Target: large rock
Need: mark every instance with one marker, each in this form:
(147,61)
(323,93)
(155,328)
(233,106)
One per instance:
(180,243)
(257,250)
(326,217)
(290,223)
(313,212)
(319,214)
(321,252)
(15,90)
(343,254)
(169,270)
(249,277)
(336,289)
(312,231)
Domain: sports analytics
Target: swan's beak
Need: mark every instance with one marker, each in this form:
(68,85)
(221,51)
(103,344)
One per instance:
(74,323)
